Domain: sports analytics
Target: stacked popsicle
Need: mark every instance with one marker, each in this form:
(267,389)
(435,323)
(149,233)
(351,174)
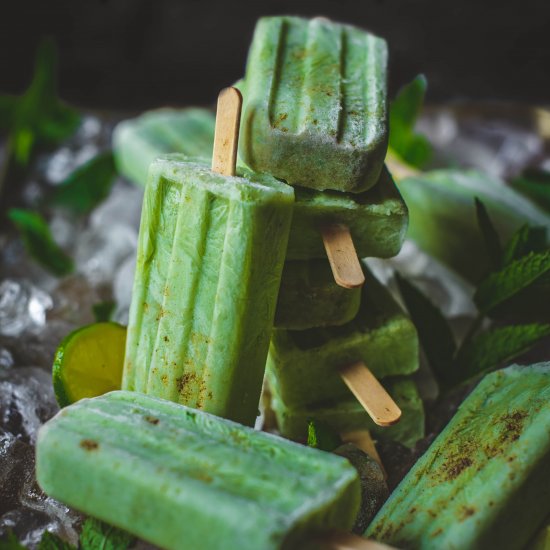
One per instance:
(315,116)
(212,248)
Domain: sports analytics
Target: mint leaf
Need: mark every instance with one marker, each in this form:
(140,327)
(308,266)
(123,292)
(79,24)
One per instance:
(536,185)
(49,541)
(320,436)
(103,311)
(490,236)
(39,242)
(88,185)
(38,117)
(496,347)
(526,239)
(502,285)
(433,330)
(11,542)
(412,147)
(97,535)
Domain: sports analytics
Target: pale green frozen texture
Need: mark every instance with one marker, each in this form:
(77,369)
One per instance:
(485,481)
(315,105)
(184,480)
(309,297)
(377,218)
(348,414)
(138,142)
(210,255)
(303,366)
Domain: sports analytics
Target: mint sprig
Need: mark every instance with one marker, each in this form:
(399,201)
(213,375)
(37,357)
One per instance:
(38,117)
(433,330)
(526,239)
(99,535)
(39,243)
(88,185)
(490,349)
(500,286)
(490,235)
(409,145)
(322,437)
(512,292)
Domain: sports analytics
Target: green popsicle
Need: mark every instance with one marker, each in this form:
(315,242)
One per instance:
(485,481)
(314,111)
(303,366)
(347,414)
(184,480)
(138,142)
(377,218)
(309,297)
(210,255)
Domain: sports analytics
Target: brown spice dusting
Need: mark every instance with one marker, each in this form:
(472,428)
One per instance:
(152,420)
(89,444)
(513,426)
(466,512)
(161,314)
(456,465)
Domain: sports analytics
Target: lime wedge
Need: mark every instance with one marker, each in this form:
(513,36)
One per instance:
(88,362)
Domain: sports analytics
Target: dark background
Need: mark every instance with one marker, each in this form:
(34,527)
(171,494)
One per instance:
(132,54)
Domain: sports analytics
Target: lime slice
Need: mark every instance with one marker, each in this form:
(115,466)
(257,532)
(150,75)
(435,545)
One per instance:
(88,362)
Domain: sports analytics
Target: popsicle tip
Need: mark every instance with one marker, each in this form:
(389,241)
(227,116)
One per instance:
(342,256)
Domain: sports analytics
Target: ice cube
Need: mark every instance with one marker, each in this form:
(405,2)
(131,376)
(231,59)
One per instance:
(26,401)
(123,205)
(102,249)
(23,307)
(24,509)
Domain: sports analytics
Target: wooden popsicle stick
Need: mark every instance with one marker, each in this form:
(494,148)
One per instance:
(363,440)
(369,392)
(335,540)
(342,256)
(226,135)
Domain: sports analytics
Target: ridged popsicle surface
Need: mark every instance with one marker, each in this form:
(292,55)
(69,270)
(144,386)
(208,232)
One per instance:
(210,255)
(484,482)
(184,479)
(138,142)
(347,414)
(315,110)
(303,365)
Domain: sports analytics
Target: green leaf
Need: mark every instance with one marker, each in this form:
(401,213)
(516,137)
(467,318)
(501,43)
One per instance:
(49,541)
(412,147)
(502,285)
(11,542)
(8,107)
(320,436)
(103,311)
(88,185)
(536,185)
(39,242)
(433,330)
(97,535)
(38,116)
(491,349)
(490,236)
(526,239)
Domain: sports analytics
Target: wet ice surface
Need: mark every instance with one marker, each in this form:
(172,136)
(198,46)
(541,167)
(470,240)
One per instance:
(38,310)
